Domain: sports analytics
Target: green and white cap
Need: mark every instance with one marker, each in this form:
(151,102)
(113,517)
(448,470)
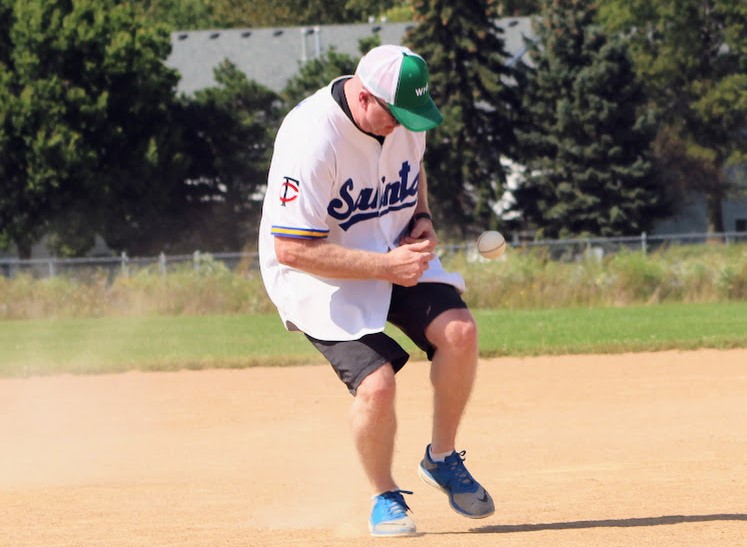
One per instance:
(400,78)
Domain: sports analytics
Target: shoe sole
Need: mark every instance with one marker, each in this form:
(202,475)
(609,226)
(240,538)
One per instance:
(427,478)
(402,534)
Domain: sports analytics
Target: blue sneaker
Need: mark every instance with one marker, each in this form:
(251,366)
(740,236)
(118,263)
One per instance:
(466,496)
(389,515)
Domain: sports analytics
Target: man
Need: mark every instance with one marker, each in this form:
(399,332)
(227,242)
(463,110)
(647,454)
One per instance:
(346,244)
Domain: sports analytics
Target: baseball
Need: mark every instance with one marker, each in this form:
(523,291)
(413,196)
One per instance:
(491,244)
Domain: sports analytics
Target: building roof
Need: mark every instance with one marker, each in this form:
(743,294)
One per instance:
(271,56)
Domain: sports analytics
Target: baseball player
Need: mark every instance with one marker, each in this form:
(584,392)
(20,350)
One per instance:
(347,243)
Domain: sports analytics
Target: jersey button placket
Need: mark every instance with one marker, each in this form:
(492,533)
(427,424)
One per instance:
(381,194)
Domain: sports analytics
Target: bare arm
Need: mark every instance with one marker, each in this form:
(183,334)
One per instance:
(403,265)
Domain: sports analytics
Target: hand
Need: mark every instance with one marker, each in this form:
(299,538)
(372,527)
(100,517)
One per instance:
(421,230)
(406,263)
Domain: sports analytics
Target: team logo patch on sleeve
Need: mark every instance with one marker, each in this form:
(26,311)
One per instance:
(289,190)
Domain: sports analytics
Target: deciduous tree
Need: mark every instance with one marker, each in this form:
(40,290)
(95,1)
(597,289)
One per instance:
(179,14)
(85,98)
(258,13)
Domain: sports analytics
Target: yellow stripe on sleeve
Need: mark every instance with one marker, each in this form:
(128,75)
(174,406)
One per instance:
(307,233)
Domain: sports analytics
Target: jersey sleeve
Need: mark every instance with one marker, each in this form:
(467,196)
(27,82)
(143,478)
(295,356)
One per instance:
(299,186)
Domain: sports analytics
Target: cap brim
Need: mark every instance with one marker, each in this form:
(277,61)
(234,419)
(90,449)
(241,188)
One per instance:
(421,118)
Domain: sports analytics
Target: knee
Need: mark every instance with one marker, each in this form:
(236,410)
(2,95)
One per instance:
(458,332)
(378,388)
(464,333)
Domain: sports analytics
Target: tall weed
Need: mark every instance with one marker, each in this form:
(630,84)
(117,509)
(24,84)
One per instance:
(530,278)
(185,290)
(523,278)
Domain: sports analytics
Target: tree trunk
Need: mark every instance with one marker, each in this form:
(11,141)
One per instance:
(714,209)
(24,249)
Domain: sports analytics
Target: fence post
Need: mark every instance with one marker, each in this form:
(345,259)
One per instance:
(124,266)
(644,246)
(52,269)
(196,261)
(162,263)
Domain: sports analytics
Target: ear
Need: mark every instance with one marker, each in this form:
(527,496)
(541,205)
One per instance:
(364,99)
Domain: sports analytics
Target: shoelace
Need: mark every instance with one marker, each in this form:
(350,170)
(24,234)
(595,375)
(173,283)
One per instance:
(455,462)
(396,504)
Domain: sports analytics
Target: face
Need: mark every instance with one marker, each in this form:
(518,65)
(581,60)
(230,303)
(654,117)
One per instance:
(379,117)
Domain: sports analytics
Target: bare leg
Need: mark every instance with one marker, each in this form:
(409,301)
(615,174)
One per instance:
(374,425)
(453,371)
(454,333)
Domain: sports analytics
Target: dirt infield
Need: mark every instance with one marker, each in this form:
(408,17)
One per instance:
(624,450)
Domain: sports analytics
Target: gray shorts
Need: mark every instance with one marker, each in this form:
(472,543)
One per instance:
(411,309)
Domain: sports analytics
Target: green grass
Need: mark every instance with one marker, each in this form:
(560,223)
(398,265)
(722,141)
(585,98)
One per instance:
(612,330)
(146,343)
(94,345)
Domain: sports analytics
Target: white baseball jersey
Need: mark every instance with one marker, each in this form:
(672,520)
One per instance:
(329,180)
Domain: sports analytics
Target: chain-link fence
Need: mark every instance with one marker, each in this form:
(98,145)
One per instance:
(598,247)
(124,264)
(559,249)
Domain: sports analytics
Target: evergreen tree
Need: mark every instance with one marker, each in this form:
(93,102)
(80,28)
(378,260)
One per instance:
(516,8)
(205,199)
(584,144)
(320,71)
(316,73)
(465,52)
(226,138)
